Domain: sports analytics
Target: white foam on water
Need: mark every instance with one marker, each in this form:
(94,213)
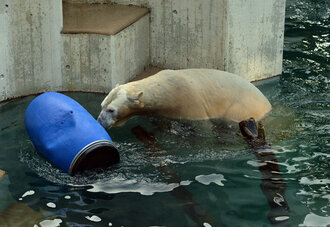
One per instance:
(67,197)
(207,224)
(93,218)
(51,205)
(312,219)
(119,185)
(110,224)
(50,223)
(211,178)
(28,193)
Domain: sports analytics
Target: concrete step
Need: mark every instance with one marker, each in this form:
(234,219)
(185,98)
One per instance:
(106,19)
(104,44)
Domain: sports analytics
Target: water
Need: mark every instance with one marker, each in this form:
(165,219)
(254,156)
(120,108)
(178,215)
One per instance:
(211,171)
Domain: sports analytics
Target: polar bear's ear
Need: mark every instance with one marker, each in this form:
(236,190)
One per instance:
(136,98)
(139,95)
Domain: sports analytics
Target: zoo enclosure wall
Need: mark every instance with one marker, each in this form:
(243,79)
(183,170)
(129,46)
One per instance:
(242,37)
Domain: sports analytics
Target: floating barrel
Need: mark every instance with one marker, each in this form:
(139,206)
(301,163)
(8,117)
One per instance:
(67,135)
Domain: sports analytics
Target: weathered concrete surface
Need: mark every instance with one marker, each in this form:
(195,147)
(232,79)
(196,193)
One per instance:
(105,19)
(186,33)
(35,57)
(239,36)
(131,52)
(4,47)
(86,1)
(255,33)
(97,62)
(31,60)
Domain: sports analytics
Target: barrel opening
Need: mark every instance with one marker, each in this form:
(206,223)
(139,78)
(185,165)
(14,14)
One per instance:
(98,156)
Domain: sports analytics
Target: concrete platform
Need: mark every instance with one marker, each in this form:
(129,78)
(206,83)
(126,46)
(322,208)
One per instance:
(94,62)
(106,19)
(149,71)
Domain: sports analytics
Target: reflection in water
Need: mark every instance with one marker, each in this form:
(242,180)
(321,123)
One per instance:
(19,214)
(273,184)
(312,218)
(28,193)
(120,184)
(212,178)
(51,223)
(181,194)
(94,218)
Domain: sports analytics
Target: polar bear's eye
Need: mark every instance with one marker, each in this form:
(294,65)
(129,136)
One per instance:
(111,110)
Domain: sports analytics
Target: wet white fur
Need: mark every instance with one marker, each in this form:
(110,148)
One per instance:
(186,94)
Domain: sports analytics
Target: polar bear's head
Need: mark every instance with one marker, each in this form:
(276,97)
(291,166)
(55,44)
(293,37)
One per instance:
(119,105)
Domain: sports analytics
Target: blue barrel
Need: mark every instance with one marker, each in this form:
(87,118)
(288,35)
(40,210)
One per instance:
(67,135)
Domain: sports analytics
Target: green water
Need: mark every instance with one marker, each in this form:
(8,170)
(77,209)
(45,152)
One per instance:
(219,174)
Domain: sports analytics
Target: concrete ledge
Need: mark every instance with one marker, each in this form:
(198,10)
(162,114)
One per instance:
(92,62)
(106,19)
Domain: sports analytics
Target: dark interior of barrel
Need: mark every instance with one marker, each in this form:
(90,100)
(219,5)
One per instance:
(99,157)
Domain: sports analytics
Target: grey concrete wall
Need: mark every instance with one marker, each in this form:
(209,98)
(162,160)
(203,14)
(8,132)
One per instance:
(186,33)
(35,57)
(254,42)
(93,62)
(4,47)
(239,36)
(31,60)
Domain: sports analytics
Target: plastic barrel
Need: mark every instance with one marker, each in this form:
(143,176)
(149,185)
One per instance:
(67,135)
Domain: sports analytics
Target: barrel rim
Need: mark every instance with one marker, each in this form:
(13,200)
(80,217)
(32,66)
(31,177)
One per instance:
(87,148)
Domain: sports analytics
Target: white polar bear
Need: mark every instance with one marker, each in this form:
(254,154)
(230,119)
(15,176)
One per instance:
(185,94)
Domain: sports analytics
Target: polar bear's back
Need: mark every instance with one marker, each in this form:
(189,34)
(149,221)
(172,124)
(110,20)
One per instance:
(209,93)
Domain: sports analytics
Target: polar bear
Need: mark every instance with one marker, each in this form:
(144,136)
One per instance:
(194,94)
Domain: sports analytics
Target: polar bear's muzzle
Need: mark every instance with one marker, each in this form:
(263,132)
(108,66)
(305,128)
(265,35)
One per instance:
(105,120)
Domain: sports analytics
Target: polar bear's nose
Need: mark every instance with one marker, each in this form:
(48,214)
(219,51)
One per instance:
(99,119)
(102,121)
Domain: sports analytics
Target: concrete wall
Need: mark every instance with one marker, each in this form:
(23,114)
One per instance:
(240,36)
(254,42)
(4,47)
(35,57)
(97,62)
(31,60)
